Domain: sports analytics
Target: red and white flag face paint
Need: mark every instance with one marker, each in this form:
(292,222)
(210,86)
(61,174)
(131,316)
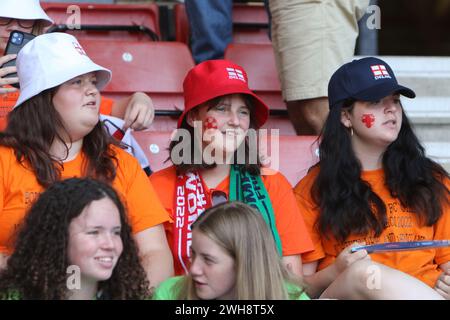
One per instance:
(210,123)
(368,119)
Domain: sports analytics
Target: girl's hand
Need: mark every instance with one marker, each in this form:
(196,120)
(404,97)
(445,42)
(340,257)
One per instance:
(5,71)
(442,285)
(346,258)
(140,112)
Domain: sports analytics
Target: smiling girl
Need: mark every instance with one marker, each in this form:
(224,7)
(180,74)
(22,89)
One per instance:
(75,243)
(54,133)
(220,111)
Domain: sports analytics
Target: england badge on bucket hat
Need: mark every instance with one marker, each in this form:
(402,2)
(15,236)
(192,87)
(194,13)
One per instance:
(52,59)
(214,78)
(366,79)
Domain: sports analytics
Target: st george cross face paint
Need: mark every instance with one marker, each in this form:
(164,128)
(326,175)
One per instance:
(210,123)
(368,119)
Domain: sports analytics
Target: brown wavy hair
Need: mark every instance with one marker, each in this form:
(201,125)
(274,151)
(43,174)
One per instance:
(38,267)
(34,126)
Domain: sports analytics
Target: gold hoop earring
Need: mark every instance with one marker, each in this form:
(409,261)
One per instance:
(351,131)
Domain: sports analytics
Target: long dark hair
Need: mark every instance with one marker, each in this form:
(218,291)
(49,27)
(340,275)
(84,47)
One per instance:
(38,267)
(34,126)
(183,168)
(347,203)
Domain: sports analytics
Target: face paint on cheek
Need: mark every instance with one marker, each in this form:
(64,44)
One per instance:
(368,119)
(210,123)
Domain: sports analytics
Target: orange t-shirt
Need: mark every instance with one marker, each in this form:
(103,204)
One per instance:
(8,101)
(19,188)
(290,225)
(402,226)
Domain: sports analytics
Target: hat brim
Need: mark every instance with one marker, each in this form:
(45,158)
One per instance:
(261,113)
(383,90)
(103,78)
(31,14)
(378,92)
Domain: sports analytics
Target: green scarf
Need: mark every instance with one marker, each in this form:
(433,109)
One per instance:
(250,189)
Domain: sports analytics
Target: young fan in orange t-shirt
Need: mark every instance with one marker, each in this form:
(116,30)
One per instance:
(28,16)
(373,185)
(75,243)
(216,163)
(54,133)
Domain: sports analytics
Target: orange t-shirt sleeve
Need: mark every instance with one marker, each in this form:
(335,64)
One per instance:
(442,232)
(144,207)
(310,213)
(291,227)
(165,181)
(106,106)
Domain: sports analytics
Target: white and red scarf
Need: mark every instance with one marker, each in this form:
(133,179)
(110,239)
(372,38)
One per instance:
(190,202)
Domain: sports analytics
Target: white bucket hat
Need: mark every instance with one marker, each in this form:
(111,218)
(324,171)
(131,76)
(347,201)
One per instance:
(24,9)
(52,59)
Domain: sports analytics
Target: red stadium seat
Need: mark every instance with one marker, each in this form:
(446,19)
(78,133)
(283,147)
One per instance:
(259,62)
(156,68)
(250,23)
(155,145)
(181,23)
(146,15)
(291,155)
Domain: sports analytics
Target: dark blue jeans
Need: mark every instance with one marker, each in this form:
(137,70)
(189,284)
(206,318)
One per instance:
(211,26)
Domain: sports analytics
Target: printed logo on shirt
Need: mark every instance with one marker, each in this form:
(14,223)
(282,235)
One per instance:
(79,48)
(235,74)
(401,225)
(380,72)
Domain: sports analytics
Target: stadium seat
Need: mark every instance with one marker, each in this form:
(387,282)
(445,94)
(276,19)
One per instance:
(156,68)
(156,147)
(181,23)
(250,23)
(293,155)
(259,62)
(143,15)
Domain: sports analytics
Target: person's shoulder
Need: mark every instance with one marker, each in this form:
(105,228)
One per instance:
(166,174)
(169,289)
(7,153)
(307,181)
(125,160)
(120,151)
(270,176)
(6,149)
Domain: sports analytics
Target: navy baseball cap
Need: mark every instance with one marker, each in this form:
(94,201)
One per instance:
(366,79)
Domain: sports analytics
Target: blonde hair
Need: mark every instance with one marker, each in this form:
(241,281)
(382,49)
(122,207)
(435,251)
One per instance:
(242,232)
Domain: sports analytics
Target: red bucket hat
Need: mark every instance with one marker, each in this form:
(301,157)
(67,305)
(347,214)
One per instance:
(215,78)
